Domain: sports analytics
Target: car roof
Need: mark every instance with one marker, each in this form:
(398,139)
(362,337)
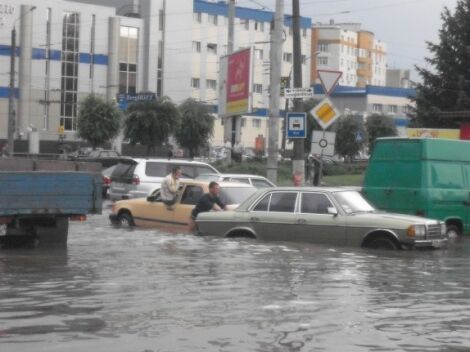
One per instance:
(171,161)
(232,175)
(221,184)
(312,189)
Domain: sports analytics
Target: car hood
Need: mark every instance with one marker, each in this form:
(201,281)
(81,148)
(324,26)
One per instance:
(390,219)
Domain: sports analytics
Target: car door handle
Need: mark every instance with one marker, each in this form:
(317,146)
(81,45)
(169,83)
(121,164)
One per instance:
(254,219)
(301,221)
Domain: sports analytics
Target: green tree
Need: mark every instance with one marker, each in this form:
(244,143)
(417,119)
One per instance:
(379,126)
(349,136)
(150,123)
(98,121)
(446,86)
(196,126)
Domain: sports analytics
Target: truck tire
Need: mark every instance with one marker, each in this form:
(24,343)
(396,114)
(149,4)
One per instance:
(382,242)
(53,236)
(453,232)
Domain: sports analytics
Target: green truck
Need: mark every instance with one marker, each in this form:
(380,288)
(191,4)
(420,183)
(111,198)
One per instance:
(426,177)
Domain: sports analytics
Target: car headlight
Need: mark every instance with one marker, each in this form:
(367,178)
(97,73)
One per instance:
(416,231)
(443,228)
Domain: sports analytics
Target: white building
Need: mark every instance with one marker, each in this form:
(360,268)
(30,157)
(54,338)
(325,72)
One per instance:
(347,48)
(70,49)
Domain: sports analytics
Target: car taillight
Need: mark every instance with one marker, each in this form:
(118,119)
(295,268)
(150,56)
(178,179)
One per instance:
(135,180)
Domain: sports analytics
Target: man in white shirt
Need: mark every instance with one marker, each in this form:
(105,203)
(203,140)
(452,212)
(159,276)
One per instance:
(170,186)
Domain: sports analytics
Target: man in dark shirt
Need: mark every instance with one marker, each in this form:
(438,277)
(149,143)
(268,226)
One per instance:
(209,201)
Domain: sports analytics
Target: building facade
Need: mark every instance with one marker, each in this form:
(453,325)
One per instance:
(347,48)
(69,49)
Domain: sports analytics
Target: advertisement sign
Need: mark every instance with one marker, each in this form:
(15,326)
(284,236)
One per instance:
(432,133)
(235,83)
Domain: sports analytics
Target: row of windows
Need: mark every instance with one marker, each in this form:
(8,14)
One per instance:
(391,109)
(212,84)
(257,25)
(285,202)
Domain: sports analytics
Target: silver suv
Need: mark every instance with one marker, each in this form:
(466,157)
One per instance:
(135,178)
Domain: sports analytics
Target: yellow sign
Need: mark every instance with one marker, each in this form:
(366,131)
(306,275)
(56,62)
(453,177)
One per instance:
(325,113)
(432,133)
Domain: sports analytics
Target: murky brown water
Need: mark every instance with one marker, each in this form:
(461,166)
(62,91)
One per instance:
(120,290)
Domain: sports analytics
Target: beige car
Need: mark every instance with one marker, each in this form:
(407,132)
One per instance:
(152,212)
(331,216)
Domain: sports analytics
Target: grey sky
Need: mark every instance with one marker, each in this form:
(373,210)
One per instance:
(404,25)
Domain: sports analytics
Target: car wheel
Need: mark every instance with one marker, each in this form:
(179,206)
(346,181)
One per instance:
(453,232)
(125,220)
(382,242)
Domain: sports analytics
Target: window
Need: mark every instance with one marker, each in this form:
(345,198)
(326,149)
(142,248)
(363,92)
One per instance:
(287,57)
(260,183)
(283,202)
(315,203)
(258,88)
(241,180)
(243,122)
(392,108)
(191,195)
(263,204)
(256,123)
(303,59)
(128,44)
(160,69)
(197,47)
(156,169)
(304,32)
(259,26)
(322,61)
(259,54)
(69,76)
(323,47)
(212,19)
(212,48)
(246,24)
(211,84)
(377,107)
(195,82)
(197,17)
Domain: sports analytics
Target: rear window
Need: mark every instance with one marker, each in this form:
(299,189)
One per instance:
(202,169)
(123,173)
(235,195)
(155,169)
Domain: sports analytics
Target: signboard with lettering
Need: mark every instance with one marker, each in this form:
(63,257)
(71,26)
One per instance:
(125,99)
(296,124)
(293,93)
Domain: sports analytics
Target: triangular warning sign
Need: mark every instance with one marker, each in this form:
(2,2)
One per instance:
(329,79)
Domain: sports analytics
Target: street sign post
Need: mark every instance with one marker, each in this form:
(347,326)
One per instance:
(298,93)
(296,124)
(325,113)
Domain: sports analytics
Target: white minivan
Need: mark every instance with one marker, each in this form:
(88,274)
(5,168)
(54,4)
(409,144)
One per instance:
(136,178)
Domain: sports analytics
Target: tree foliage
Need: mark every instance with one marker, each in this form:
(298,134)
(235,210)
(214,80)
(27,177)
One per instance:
(446,87)
(150,123)
(379,126)
(348,129)
(196,126)
(98,121)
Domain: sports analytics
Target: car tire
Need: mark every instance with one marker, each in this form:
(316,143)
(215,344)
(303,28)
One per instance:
(382,242)
(453,232)
(125,220)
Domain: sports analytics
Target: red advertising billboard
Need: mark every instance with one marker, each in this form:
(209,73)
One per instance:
(238,82)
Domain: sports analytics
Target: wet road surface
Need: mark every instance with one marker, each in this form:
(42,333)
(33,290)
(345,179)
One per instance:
(146,290)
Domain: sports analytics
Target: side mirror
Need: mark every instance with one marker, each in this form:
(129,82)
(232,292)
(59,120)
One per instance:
(151,199)
(332,211)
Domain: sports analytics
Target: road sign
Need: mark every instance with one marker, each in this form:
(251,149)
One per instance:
(296,124)
(325,113)
(323,143)
(293,93)
(329,79)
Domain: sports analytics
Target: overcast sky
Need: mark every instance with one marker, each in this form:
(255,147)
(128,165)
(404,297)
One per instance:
(404,25)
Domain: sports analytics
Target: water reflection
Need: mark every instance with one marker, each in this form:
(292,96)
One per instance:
(151,291)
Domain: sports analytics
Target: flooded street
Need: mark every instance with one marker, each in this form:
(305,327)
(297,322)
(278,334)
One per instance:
(145,290)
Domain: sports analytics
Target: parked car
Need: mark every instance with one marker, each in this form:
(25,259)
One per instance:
(426,177)
(151,211)
(136,178)
(255,180)
(107,179)
(332,216)
(106,158)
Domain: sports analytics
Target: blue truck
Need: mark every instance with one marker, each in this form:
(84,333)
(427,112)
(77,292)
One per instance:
(38,198)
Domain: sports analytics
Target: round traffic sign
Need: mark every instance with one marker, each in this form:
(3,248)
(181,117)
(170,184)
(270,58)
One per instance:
(323,143)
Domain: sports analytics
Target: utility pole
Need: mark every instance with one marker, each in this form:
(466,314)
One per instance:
(275,90)
(229,120)
(11,97)
(298,165)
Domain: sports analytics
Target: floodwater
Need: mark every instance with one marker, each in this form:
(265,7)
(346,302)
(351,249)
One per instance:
(146,290)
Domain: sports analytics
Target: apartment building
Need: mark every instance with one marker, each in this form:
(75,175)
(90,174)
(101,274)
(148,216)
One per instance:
(347,48)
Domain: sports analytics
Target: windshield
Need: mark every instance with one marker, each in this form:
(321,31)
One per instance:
(353,202)
(235,195)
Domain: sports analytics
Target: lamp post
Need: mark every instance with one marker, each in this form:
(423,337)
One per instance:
(11,97)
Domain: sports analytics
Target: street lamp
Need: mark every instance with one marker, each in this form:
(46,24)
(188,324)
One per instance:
(11,101)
